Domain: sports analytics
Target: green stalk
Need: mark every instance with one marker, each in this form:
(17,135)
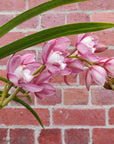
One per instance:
(11,97)
(82,59)
(39,70)
(4,93)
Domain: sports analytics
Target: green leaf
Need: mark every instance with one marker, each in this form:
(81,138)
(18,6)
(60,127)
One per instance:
(33,12)
(28,107)
(48,34)
(4,80)
(22,90)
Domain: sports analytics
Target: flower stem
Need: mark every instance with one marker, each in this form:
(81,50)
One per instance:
(80,58)
(3,95)
(11,97)
(5,92)
(39,70)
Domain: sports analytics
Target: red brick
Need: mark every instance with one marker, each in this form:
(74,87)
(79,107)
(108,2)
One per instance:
(33,3)
(106,37)
(75,96)
(108,53)
(32,23)
(103,136)
(21,116)
(77,17)
(111,116)
(97,5)
(2,74)
(10,37)
(53,19)
(68,7)
(82,77)
(101,96)
(11,5)
(59,80)
(3,135)
(50,136)
(4,61)
(103,17)
(5,18)
(77,136)
(91,117)
(51,100)
(21,136)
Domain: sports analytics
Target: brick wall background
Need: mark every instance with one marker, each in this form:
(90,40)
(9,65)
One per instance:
(73,115)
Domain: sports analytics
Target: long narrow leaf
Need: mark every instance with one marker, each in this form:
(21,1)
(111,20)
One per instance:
(4,80)
(42,36)
(28,107)
(33,12)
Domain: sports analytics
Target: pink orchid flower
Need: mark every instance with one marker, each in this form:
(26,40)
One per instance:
(87,45)
(97,74)
(47,89)
(20,71)
(53,55)
(109,66)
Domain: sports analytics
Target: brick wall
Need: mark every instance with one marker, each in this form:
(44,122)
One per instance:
(73,115)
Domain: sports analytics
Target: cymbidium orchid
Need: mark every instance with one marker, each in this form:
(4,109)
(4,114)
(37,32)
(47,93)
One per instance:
(87,45)
(42,80)
(24,73)
(95,74)
(53,55)
(20,70)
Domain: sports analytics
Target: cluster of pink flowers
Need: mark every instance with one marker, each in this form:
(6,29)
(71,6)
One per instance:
(24,71)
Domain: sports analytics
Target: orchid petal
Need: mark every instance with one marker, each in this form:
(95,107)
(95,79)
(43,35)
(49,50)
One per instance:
(45,75)
(99,75)
(13,63)
(62,45)
(13,78)
(27,58)
(31,87)
(47,49)
(52,68)
(88,79)
(109,66)
(47,91)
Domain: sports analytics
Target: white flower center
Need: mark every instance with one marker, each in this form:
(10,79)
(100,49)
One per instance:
(20,72)
(88,41)
(57,58)
(28,77)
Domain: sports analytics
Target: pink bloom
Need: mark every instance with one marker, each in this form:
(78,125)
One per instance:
(20,71)
(75,65)
(109,66)
(86,46)
(53,55)
(97,74)
(47,89)
(86,43)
